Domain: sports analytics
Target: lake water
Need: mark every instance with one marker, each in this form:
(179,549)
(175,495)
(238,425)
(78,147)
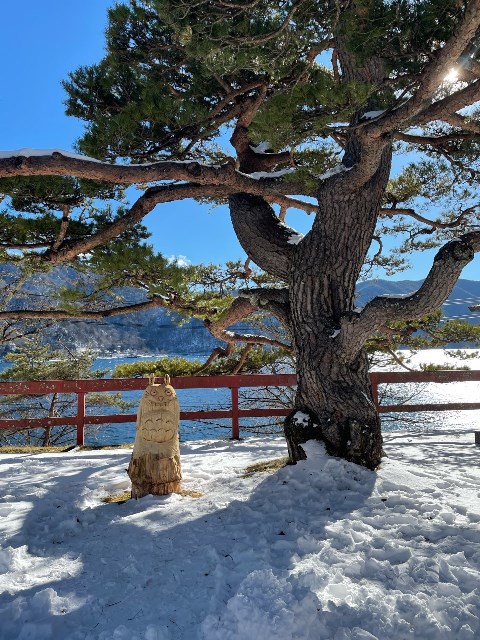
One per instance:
(189,399)
(206,399)
(194,399)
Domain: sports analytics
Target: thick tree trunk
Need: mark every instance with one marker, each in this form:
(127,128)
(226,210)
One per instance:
(333,401)
(333,383)
(334,405)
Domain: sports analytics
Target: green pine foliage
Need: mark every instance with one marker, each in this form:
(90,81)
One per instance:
(159,92)
(257,360)
(401,31)
(39,194)
(163,90)
(167,63)
(35,360)
(158,85)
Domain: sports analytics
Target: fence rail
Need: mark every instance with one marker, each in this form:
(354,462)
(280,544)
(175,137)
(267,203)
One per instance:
(442,377)
(232,382)
(82,387)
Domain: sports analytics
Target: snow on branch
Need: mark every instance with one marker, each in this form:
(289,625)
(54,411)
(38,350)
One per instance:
(30,162)
(340,168)
(269,175)
(35,153)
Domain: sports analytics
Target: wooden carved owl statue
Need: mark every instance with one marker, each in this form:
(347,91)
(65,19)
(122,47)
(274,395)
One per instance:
(155,464)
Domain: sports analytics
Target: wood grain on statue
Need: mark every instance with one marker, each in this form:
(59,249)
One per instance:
(155,464)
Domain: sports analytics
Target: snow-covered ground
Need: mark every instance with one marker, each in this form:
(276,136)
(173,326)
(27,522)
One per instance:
(321,550)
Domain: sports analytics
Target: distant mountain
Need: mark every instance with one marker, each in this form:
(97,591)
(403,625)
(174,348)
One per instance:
(153,331)
(158,331)
(464,294)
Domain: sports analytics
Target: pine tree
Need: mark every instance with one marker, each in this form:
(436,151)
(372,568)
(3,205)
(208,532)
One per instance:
(317,98)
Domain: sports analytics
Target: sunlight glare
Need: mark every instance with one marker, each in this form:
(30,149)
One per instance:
(451,77)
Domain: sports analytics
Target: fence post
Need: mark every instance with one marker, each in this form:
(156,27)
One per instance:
(235,420)
(80,418)
(374,384)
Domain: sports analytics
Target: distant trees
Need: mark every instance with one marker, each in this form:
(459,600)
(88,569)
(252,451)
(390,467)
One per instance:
(317,98)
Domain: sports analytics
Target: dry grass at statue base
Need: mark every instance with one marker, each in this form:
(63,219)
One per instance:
(125,496)
(269,466)
(61,448)
(118,498)
(32,449)
(189,493)
(100,447)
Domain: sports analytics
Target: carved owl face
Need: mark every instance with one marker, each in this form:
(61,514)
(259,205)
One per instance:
(159,414)
(161,393)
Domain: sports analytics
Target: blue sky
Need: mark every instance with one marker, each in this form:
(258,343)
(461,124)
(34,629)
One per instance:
(40,42)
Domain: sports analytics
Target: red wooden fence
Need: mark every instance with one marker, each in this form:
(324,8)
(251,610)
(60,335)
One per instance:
(396,377)
(234,382)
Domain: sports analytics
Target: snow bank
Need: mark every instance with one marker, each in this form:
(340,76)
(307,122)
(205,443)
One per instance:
(324,550)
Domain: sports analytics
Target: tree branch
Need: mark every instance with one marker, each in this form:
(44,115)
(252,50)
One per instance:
(462,122)
(434,141)
(246,350)
(437,286)
(143,206)
(433,75)
(435,224)
(286,202)
(218,352)
(445,109)
(58,314)
(56,244)
(240,309)
(68,250)
(263,39)
(26,162)
(266,240)
(273,300)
